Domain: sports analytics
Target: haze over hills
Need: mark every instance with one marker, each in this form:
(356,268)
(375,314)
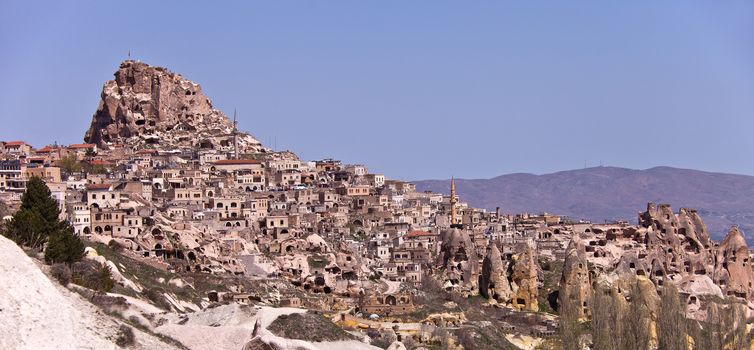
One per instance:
(612,193)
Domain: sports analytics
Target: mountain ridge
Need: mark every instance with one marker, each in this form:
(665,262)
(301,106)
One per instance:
(614,193)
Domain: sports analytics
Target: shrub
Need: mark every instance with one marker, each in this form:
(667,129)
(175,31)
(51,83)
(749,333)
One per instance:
(135,320)
(64,247)
(409,342)
(109,303)
(114,245)
(126,336)
(94,276)
(382,341)
(308,327)
(155,296)
(61,273)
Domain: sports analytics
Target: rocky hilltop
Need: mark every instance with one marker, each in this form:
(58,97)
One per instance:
(147,106)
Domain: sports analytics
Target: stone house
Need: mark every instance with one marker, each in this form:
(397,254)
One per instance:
(102,196)
(386,304)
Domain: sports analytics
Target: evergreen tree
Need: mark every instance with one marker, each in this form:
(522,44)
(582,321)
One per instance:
(37,218)
(38,197)
(64,247)
(27,227)
(37,222)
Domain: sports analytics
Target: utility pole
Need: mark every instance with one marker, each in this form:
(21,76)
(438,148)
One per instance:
(235,135)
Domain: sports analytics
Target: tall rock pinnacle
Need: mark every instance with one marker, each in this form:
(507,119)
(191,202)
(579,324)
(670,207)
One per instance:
(147,105)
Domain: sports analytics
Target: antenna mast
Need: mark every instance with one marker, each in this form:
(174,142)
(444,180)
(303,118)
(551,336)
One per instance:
(235,135)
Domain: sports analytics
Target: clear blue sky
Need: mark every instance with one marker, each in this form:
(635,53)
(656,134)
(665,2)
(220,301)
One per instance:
(414,89)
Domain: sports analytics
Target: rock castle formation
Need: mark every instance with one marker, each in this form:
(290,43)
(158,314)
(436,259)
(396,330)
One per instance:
(147,106)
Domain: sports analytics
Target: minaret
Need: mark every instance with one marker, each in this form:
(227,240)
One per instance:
(453,201)
(235,135)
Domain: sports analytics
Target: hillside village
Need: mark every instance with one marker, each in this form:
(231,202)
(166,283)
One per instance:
(169,183)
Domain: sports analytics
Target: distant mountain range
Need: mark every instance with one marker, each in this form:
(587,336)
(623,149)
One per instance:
(611,193)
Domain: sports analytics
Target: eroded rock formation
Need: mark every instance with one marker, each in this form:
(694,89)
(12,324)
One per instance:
(525,281)
(147,105)
(575,283)
(459,259)
(732,271)
(493,282)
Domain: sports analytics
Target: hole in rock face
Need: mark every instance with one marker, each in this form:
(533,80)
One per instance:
(140,122)
(552,299)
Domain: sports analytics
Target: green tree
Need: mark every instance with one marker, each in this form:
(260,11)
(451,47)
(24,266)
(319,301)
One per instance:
(27,227)
(38,197)
(64,247)
(37,222)
(95,169)
(69,164)
(37,218)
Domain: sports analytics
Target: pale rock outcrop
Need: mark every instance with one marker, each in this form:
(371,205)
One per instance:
(493,281)
(733,272)
(150,105)
(459,259)
(575,282)
(36,313)
(396,346)
(680,242)
(525,279)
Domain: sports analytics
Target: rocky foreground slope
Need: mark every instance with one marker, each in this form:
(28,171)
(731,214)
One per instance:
(36,313)
(147,105)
